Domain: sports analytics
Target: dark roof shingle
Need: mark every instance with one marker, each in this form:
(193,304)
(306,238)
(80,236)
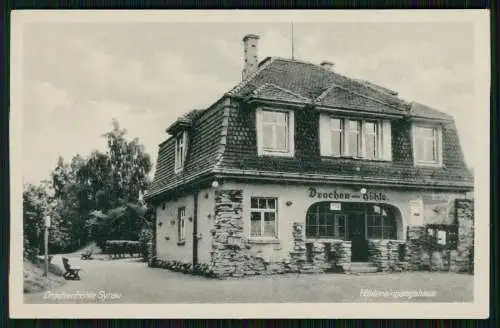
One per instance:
(222,137)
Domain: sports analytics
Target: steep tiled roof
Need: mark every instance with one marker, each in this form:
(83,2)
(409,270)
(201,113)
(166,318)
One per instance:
(310,81)
(269,91)
(421,111)
(204,150)
(339,97)
(223,140)
(241,154)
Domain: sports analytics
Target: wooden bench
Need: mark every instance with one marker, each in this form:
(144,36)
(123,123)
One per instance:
(71,272)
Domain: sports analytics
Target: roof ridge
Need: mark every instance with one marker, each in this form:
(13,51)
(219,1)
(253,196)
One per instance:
(335,85)
(243,83)
(281,89)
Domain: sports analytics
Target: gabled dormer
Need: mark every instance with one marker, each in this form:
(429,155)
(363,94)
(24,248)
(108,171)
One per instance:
(427,134)
(180,130)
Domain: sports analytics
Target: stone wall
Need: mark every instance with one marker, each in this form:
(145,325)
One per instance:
(325,256)
(232,254)
(458,260)
(388,255)
(462,259)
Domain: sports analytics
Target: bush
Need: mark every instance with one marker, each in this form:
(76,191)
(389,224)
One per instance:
(146,244)
(200,269)
(122,248)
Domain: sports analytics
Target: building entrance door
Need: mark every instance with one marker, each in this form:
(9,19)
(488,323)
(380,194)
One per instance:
(357,236)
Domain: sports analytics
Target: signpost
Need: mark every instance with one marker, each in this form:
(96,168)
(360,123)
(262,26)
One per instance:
(46,239)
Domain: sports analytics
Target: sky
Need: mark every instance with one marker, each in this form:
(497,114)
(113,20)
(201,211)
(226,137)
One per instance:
(78,76)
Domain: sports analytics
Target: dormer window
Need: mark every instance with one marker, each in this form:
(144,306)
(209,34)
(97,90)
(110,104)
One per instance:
(427,145)
(355,138)
(275,132)
(180,151)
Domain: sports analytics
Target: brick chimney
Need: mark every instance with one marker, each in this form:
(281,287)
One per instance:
(250,55)
(327,65)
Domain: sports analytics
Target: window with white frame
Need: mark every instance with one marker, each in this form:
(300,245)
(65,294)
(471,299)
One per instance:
(371,135)
(263,217)
(369,139)
(322,222)
(381,223)
(275,132)
(427,144)
(337,136)
(180,151)
(181,224)
(353,138)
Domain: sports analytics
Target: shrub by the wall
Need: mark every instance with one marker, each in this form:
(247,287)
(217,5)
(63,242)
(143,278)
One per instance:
(122,248)
(200,269)
(145,241)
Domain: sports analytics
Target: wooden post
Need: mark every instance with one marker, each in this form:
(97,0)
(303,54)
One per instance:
(46,269)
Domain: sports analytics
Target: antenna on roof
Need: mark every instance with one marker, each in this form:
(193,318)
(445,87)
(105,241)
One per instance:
(292,44)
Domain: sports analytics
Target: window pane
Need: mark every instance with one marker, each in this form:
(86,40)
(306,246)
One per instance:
(269,224)
(267,136)
(254,203)
(353,126)
(336,124)
(322,231)
(269,216)
(268,117)
(429,150)
(262,203)
(424,132)
(371,146)
(271,202)
(330,220)
(352,144)
(311,220)
(329,231)
(420,149)
(336,143)
(281,137)
(255,227)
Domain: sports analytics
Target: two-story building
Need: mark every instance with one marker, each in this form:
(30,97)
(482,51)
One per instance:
(299,166)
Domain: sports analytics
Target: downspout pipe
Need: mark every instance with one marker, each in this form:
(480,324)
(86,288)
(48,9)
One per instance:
(195,227)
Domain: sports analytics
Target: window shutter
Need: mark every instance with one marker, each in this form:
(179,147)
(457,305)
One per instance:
(440,144)
(363,139)
(291,132)
(258,131)
(324,135)
(386,141)
(185,150)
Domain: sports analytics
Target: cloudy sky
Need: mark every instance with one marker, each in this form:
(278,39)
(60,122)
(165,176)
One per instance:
(78,76)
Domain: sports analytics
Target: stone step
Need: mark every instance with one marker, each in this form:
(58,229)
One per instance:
(362,267)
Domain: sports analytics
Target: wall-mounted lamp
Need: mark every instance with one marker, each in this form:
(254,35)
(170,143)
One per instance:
(172,222)
(206,195)
(167,238)
(215,184)
(160,224)
(363,191)
(289,203)
(358,169)
(209,216)
(190,219)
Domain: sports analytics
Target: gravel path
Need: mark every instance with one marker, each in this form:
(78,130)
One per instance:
(130,281)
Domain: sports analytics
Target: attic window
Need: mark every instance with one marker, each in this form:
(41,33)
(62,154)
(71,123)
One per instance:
(427,145)
(180,151)
(275,132)
(354,138)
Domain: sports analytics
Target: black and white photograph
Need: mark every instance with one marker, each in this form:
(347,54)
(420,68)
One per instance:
(281,164)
